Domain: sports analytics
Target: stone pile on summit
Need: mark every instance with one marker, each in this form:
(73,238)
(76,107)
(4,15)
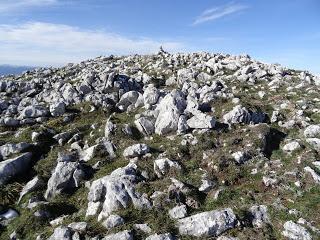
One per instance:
(162,146)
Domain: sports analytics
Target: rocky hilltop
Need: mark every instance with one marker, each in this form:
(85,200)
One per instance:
(163,146)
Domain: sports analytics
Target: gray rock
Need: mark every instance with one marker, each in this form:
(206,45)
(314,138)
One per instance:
(312,131)
(57,109)
(143,227)
(207,224)
(295,231)
(34,112)
(136,150)
(238,114)
(201,121)
(127,99)
(62,233)
(165,236)
(178,212)
(151,95)
(11,148)
(291,146)
(114,192)
(11,168)
(169,110)
(144,125)
(31,186)
(259,215)
(113,221)
(124,235)
(314,174)
(164,165)
(61,179)
(314,142)
(78,226)
(109,129)
(9,214)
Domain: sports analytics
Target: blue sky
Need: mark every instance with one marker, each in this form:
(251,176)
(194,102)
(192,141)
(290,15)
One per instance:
(55,32)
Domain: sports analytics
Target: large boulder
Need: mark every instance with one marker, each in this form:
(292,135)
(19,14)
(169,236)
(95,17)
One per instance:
(13,148)
(66,175)
(57,109)
(165,236)
(62,233)
(169,110)
(164,165)
(201,121)
(295,231)
(207,224)
(238,114)
(114,192)
(312,131)
(151,95)
(145,125)
(124,235)
(136,150)
(259,215)
(34,112)
(13,167)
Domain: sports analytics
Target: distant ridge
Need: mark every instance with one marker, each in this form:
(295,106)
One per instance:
(11,69)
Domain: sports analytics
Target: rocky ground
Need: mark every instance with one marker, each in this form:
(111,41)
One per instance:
(164,146)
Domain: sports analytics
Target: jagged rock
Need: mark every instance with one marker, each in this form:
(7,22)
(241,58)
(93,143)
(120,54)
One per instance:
(58,109)
(136,150)
(151,95)
(314,142)
(294,231)
(169,110)
(312,131)
(178,212)
(61,233)
(62,138)
(115,191)
(64,176)
(207,224)
(78,226)
(127,99)
(93,151)
(144,125)
(9,214)
(113,221)
(164,165)
(143,227)
(165,236)
(206,185)
(314,174)
(227,238)
(31,186)
(291,146)
(238,114)
(10,148)
(259,215)
(11,168)
(34,112)
(109,129)
(124,235)
(240,157)
(201,120)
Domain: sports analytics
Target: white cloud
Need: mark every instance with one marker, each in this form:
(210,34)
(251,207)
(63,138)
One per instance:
(9,6)
(218,12)
(39,43)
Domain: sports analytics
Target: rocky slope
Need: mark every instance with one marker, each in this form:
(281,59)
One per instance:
(164,146)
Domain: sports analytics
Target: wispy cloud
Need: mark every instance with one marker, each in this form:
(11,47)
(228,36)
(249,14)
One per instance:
(39,43)
(9,6)
(219,12)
